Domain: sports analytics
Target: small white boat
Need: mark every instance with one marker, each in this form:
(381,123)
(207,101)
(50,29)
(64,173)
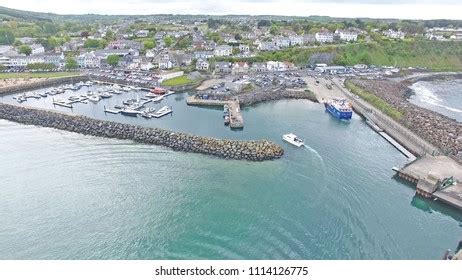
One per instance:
(162,112)
(293,139)
(94,98)
(105,95)
(154,97)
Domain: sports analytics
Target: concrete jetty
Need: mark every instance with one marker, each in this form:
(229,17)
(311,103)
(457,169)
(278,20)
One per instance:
(397,145)
(236,120)
(235,115)
(194,101)
(428,173)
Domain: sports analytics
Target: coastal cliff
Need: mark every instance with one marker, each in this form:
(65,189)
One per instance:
(230,149)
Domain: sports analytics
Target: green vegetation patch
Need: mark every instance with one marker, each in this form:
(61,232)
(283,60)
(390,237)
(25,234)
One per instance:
(434,55)
(375,101)
(178,81)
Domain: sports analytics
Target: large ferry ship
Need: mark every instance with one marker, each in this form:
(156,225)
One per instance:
(340,108)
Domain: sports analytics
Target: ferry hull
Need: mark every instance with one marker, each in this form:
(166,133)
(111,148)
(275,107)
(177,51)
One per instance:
(338,114)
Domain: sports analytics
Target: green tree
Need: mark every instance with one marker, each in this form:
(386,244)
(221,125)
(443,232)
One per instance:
(17,43)
(184,42)
(274,29)
(71,63)
(52,42)
(50,28)
(110,36)
(25,49)
(113,60)
(168,41)
(6,37)
(149,44)
(94,43)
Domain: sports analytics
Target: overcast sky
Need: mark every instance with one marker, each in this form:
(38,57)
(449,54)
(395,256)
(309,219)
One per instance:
(411,9)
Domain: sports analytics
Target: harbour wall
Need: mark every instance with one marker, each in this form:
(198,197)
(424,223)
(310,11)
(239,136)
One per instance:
(398,132)
(252,98)
(42,84)
(230,149)
(255,97)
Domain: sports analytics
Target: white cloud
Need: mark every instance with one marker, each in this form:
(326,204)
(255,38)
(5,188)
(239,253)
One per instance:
(411,9)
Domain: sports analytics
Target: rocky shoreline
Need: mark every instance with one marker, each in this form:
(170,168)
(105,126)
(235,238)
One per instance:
(248,99)
(440,130)
(230,149)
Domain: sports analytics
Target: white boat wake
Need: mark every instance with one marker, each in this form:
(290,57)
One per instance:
(323,189)
(315,152)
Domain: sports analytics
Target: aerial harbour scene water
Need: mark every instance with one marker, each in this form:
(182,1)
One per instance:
(246,159)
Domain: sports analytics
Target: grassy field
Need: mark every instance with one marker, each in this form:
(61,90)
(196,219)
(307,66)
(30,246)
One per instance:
(178,81)
(375,101)
(38,75)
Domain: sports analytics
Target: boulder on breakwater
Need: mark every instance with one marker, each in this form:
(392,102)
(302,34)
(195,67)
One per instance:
(231,149)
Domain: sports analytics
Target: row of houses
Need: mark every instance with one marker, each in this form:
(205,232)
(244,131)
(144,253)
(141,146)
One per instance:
(394,34)
(320,37)
(22,60)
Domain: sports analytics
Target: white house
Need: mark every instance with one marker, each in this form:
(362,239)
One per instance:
(240,67)
(146,65)
(223,50)
(23,61)
(150,53)
(202,64)
(279,66)
(88,60)
(203,54)
(142,33)
(324,37)
(390,33)
(259,67)
(5,60)
(165,64)
(282,42)
(37,49)
(346,35)
(267,46)
(244,48)
(296,40)
(276,66)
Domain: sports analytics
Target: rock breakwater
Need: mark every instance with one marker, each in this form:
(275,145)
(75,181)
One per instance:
(440,130)
(230,149)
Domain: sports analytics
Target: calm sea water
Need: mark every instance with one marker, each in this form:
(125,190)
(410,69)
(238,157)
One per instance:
(444,97)
(69,196)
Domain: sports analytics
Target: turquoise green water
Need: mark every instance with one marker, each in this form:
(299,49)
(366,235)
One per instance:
(68,196)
